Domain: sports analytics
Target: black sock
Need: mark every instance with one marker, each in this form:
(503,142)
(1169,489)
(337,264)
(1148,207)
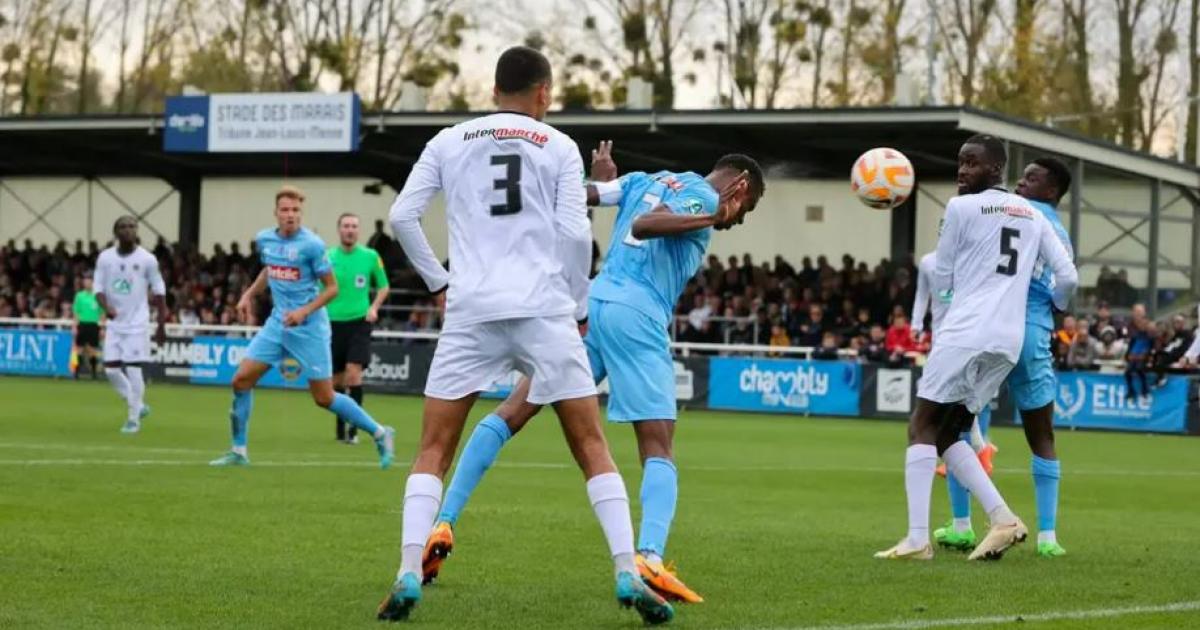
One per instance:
(93,362)
(356,394)
(341,424)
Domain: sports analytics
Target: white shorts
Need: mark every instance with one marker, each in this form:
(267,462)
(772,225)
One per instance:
(126,347)
(549,350)
(959,375)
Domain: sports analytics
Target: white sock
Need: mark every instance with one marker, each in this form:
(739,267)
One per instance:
(137,390)
(422,500)
(962,462)
(117,378)
(920,464)
(977,441)
(1047,537)
(652,557)
(962,525)
(611,504)
(240,450)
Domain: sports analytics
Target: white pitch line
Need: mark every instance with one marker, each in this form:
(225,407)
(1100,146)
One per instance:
(1094,613)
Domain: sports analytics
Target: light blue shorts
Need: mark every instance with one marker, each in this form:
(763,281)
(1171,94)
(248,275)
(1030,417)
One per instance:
(308,344)
(634,352)
(1032,381)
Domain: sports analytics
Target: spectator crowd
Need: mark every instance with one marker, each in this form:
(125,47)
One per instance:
(853,309)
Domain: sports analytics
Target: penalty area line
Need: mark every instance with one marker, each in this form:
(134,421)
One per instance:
(1058,615)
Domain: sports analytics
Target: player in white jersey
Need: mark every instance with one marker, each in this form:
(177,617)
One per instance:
(126,279)
(987,250)
(520,251)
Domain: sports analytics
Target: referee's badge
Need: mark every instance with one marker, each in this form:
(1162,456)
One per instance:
(360,281)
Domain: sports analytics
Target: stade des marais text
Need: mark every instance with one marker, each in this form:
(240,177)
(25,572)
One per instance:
(298,112)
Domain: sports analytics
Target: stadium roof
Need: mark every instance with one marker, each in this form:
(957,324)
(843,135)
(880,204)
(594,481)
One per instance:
(803,142)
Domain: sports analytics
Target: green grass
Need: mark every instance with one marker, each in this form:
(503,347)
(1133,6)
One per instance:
(777,521)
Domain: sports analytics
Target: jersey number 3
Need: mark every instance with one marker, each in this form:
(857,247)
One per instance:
(1007,235)
(510,184)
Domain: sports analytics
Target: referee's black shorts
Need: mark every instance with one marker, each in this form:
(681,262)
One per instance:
(351,343)
(87,335)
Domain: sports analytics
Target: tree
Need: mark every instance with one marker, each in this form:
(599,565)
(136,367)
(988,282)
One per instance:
(766,32)
(884,55)
(1193,106)
(964,37)
(1165,46)
(853,19)
(822,18)
(1130,74)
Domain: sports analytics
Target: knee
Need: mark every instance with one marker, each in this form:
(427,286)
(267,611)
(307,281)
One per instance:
(324,399)
(241,383)
(516,414)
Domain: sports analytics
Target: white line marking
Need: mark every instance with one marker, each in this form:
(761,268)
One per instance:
(1095,613)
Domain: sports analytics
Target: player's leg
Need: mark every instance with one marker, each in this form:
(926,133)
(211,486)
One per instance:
(135,352)
(358,354)
(920,460)
(310,346)
(265,350)
(1033,387)
(958,533)
(562,375)
(338,347)
(339,379)
(113,366)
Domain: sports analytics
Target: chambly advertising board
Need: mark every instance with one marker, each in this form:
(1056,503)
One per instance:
(214,360)
(785,386)
(262,123)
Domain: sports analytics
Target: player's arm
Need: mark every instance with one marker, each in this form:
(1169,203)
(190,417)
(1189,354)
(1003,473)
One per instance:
(921,304)
(423,183)
(668,220)
(379,277)
(942,282)
(574,230)
(604,175)
(1066,277)
(245,305)
(158,298)
(329,290)
(99,281)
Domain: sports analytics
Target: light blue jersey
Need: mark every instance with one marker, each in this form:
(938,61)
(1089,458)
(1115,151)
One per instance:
(650,275)
(294,267)
(1039,310)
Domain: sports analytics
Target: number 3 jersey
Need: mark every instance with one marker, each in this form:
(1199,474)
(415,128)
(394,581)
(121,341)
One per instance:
(520,240)
(989,246)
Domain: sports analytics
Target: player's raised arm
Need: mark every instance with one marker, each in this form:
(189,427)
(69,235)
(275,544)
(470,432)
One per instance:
(1066,277)
(691,214)
(604,189)
(405,216)
(574,230)
(948,236)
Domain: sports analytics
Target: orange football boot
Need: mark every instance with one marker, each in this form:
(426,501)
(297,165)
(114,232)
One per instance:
(437,548)
(664,582)
(985,458)
(941,470)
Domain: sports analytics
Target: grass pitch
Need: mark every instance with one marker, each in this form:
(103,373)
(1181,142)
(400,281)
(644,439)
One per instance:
(777,521)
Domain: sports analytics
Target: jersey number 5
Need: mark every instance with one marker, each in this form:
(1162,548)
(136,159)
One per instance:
(1007,235)
(510,184)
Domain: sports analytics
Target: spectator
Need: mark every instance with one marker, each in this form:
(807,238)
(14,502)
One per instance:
(779,337)
(875,349)
(1111,348)
(1064,337)
(828,350)
(1103,320)
(900,337)
(814,329)
(1084,349)
(1137,357)
(1173,346)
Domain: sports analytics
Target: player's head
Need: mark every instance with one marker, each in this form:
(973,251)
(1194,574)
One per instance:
(981,162)
(1045,179)
(125,231)
(523,81)
(347,225)
(725,171)
(289,202)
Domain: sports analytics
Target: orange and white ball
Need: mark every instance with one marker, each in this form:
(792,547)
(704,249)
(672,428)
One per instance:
(882,178)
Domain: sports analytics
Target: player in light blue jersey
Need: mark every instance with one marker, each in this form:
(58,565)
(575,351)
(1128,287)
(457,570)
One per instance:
(297,270)
(1032,382)
(663,225)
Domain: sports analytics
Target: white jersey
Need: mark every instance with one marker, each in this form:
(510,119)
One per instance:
(926,301)
(127,282)
(520,240)
(986,253)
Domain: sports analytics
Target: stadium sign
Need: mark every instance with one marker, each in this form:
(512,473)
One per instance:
(1097,401)
(785,386)
(35,352)
(262,123)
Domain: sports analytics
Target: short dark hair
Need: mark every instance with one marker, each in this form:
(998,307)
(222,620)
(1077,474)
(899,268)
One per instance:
(520,68)
(343,216)
(741,162)
(1058,172)
(126,217)
(993,147)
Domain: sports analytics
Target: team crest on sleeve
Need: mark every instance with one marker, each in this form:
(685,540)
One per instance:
(694,206)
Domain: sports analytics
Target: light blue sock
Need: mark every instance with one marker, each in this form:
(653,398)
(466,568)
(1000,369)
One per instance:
(477,457)
(239,416)
(960,498)
(348,410)
(1046,473)
(660,490)
(985,421)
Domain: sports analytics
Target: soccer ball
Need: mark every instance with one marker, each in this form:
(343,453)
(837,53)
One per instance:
(882,178)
